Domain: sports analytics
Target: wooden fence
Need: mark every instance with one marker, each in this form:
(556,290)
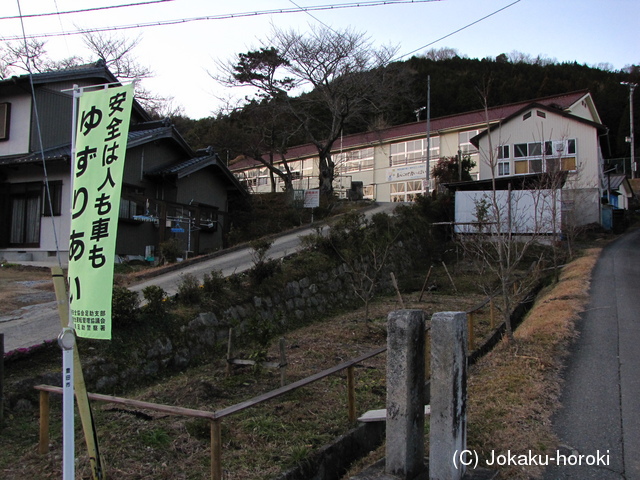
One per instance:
(215,418)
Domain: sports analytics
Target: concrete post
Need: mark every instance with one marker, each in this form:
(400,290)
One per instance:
(448,423)
(405,394)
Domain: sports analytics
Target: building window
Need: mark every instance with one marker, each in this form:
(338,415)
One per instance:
(521,167)
(406,191)
(503,168)
(541,114)
(558,148)
(464,142)
(354,161)
(5,117)
(25,203)
(434,147)
(55,193)
(569,164)
(526,115)
(503,151)
(403,153)
(533,149)
(368,192)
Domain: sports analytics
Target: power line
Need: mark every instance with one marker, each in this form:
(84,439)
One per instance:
(83,10)
(340,6)
(312,16)
(458,30)
(39,137)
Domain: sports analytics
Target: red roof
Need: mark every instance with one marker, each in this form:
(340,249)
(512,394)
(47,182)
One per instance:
(407,130)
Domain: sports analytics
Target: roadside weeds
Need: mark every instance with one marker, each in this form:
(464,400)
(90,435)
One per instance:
(514,390)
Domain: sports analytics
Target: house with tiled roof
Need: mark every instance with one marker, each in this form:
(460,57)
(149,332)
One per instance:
(169,190)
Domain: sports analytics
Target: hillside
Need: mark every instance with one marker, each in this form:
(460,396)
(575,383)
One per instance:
(458,85)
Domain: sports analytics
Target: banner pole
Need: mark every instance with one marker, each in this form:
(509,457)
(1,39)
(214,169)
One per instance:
(96,461)
(66,340)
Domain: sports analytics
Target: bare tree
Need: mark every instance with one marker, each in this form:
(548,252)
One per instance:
(330,67)
(365,246)
(117,55)
(444,53)
(508,223)
(115,52)
(268,124)
(23,57)
(333,64)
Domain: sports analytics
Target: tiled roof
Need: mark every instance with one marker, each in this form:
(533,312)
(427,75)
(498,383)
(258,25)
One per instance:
(440,124)
(63,152)
(185,167)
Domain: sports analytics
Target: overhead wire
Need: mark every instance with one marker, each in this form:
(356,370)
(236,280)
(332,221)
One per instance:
(456,31)
(336,6)
(83,10)
(40,143)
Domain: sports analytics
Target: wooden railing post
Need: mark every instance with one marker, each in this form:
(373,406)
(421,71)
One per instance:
(1,380)
(283,363)
(427,355)
(229,368)
(216,450)
(470,329)
(493,314)
(351,388)
(43,444)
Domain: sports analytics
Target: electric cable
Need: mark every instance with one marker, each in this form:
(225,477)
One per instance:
(339,6)
(40,143)
(82,10)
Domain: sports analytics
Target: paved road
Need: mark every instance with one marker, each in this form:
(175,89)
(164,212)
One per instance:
(35,324)
(601,396)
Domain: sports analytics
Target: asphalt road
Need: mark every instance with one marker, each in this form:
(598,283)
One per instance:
(601,395)
(37,323)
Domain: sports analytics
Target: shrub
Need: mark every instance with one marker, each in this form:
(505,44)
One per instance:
(170,250)
(213,283)
(156,298)
(189,290)
(124,307)
(263,268)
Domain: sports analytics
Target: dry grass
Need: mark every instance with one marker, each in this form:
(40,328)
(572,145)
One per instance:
(514,390)
(512,394)
(257,443)
(20,286)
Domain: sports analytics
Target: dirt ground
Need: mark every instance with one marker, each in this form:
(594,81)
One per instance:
(21,286)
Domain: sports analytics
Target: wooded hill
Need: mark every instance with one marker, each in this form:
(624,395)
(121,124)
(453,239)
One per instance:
(458,85)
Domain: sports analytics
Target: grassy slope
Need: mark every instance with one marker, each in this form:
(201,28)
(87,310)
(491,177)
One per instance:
(514,390)
(512,394)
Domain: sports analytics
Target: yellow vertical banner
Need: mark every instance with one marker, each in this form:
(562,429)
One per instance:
(98,165)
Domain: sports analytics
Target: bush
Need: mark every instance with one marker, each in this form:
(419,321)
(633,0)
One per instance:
(263,268)
(189,290)
(213,283)
(156,302)
(124,307)
(170,250)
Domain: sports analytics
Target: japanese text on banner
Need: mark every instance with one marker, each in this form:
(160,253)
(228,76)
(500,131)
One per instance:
(101,142)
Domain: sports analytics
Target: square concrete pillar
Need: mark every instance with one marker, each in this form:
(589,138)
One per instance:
(448,422)
(405,394)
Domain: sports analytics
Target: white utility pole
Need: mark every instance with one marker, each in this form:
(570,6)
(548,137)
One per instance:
(428,133)
(634,165)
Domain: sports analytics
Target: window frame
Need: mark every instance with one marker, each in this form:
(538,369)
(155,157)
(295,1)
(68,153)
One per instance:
(55,189)
(5,121)
(31,194)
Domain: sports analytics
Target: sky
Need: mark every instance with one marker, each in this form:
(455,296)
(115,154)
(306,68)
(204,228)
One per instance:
(183,55)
